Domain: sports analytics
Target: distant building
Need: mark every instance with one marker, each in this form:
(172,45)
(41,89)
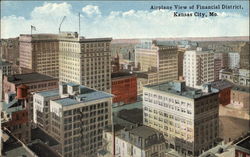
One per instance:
(223,57)
(220,62)
(124,88)
(115,63)
(6,67)
(198,67)
(39,53)
(240,97)
(242,148)
(180,113)
(244,56)
(158,56)
(85,61)
(230,75)
(180,62)
(217,68)
(233,60)
(77,119)
(224,88)
(145,78)
(135,141)
(9,50)
(237,76)
(244,77)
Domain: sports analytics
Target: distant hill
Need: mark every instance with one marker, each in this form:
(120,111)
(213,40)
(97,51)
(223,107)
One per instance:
(136,40)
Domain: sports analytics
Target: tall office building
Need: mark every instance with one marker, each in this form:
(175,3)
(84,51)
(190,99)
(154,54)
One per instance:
(180,62)
(244,56)
(76,118)
(85,61)
(5,67)
(223,57)
(198,67)
(233,60)
(69,57)
(160,57)
(187,117)
(39,53)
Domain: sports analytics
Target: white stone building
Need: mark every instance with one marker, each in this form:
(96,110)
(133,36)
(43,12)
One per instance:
(187,117)
(198,67)
(77,116)
(85,61)
(233,60)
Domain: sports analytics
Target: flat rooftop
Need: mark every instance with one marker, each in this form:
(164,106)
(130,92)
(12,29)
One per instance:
(189,92)
(4,63)
(49,93)
(242,89)
(143,131)
(42,150)
(29,78)
(222,84)
(121,74)
(63,36)
(38,133)
(87,96)
(134,116)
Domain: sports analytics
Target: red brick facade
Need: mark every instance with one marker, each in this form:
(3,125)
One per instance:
(124,89)
(225,96)
(241,154)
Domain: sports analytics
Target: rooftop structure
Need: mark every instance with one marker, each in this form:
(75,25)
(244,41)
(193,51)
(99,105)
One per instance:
(82,94)
(221,84)
(180,88)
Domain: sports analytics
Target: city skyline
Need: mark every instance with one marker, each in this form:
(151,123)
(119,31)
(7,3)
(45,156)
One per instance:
(129,20)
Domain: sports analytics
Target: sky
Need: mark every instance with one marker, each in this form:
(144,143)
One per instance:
(123,19)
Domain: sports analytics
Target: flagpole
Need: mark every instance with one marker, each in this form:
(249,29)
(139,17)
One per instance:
(31,30)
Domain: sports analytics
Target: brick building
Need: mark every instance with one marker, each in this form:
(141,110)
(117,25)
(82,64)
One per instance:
(15,114)
(224,88)
(115,63)
(124,87)
(34,81)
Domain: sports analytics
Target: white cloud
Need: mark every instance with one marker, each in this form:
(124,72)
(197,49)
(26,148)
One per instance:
(124,24)
(51,9)
(91,10)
